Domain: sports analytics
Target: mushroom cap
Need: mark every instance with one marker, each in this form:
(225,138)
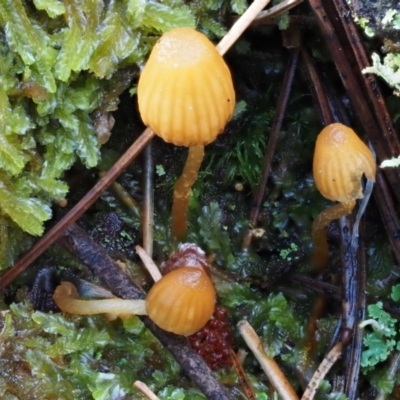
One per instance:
(185,91)
(340,160)
(182,301)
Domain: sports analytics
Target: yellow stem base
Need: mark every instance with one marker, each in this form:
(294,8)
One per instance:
(318,232)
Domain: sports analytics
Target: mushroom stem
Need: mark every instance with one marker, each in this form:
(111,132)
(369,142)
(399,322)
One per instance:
(318,232)
(67,299)
(182,190)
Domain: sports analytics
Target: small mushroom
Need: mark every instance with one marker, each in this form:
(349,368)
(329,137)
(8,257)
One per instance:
(182,301)
(186,96)
(340,160)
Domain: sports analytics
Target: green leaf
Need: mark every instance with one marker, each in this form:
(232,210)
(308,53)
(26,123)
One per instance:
(117,42)
(28,212)
(52,7)
(80,38)
(213,26)
(53,323)
(215,239)
(163,18)
(239,6)
(380,342)
(135,11)
(80,340)
(30,41)
(8,330)
(12,159)
(395,295)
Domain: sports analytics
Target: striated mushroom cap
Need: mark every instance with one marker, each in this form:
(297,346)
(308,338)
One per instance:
(340,160)
(182,301)
(185,91)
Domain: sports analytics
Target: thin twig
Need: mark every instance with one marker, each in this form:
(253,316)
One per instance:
(149,264)
(240,25)
(53,234)
(350,288)
(322,370)
(268,364)
(273,12)
(317,88)
(148,200)
(145,390)
(272,142)
(124,197)
(355,350)
(335,292)
(243,378)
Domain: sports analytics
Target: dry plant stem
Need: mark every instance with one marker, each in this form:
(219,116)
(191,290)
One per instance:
(124,197)
(387,210)
(51,236)
(272,141)
(148,200)
(322,370)
(149,264)
(318,230)
(356,295)
(270,367)
(334,291)
(317,87)
(145,390)
(243,378)
(76,241)
(240,25)
(350,292)
(182,190)
(273,12)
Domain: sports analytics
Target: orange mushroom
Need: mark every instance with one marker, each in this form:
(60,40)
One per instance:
(186,96)
(340,160)
(182,301)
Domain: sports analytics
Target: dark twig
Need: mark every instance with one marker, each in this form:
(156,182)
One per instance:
(317,87)
(273,138)
(148,200)
(334,291)
(389,217)
(354,351)
(51,236)
(76,241)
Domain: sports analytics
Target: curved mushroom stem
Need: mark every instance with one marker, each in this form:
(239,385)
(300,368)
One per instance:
(67,299)
(318,232)
(182,190)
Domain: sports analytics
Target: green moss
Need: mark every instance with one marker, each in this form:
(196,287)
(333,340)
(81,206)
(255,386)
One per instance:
(60,63)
